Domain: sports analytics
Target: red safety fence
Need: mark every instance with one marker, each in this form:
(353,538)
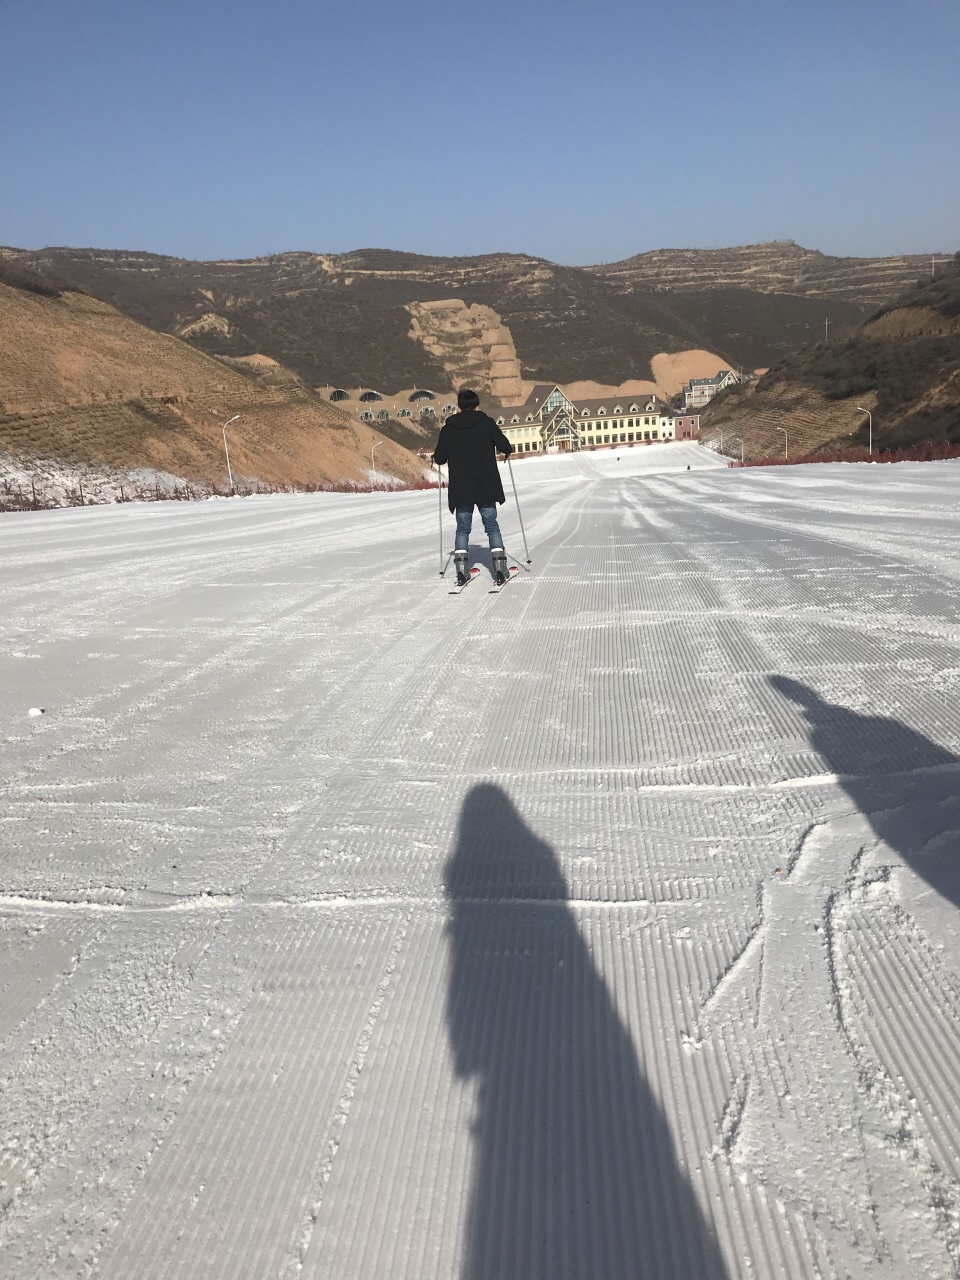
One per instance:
(926,452)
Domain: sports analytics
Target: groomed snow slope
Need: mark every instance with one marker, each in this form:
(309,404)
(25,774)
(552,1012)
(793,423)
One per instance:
(603,929)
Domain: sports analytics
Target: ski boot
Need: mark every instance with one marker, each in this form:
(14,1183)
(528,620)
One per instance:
(460,564)
(500,571)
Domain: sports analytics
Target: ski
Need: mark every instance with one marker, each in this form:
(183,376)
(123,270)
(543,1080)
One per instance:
(474,573)
(511,573)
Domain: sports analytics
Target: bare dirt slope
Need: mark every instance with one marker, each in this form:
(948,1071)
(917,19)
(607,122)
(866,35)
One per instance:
(902,365)
(82,383)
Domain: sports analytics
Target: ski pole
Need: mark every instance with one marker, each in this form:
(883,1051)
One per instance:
(519,516)
(440,513)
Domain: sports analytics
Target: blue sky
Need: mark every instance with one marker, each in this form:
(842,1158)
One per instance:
(580,132)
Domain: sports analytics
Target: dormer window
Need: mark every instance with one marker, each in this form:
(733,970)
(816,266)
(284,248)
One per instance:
(634,408)
(618,408)
(601,411)
(501,421)
(515,418)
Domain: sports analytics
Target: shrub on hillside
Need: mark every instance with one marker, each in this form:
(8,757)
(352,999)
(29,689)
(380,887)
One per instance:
(18,277)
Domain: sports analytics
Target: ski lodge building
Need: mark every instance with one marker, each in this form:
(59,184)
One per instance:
(700,391)
(550,421)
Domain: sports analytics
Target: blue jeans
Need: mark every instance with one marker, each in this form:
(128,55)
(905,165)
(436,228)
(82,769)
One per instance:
(465,523)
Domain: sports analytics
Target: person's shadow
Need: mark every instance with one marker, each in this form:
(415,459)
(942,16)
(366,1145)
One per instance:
(906,785)
(575,1174)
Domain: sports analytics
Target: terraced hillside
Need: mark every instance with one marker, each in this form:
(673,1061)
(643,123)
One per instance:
(346,318)
(781,267)
(83,384)
(902,365)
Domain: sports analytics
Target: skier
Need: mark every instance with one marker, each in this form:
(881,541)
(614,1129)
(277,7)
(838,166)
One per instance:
(468,443)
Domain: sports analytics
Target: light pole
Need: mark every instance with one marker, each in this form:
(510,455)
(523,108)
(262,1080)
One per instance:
(740,443)
(786,441)
(373,450)
(235,418)
(870,416)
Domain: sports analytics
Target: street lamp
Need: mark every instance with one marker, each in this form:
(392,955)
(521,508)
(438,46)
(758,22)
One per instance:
(740,443)
(373,450)
(786,441)
(870,416)
(235,418)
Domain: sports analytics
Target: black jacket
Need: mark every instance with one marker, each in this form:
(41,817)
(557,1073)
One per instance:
(468,443)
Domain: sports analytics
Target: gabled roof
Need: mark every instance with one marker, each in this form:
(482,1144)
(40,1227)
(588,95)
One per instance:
(597,407)
(542,391)
(717,378)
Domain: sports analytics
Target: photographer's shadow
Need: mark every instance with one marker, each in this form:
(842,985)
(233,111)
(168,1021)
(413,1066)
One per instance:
(906,785)
(576,1176)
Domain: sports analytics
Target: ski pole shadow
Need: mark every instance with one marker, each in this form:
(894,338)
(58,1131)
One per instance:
(907,786)
(575,1173)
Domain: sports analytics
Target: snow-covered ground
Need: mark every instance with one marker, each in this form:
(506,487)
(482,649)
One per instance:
(59,484)
(603,929)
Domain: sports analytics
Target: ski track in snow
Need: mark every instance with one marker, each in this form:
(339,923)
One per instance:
(605,928)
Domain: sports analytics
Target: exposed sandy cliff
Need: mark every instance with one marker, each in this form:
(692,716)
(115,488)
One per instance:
(472,343)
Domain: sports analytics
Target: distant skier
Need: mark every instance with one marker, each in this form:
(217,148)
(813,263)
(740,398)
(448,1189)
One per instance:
(468,443)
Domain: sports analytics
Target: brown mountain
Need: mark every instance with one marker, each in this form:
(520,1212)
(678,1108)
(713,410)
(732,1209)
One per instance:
(82,384)
(902,364)
(348,319)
